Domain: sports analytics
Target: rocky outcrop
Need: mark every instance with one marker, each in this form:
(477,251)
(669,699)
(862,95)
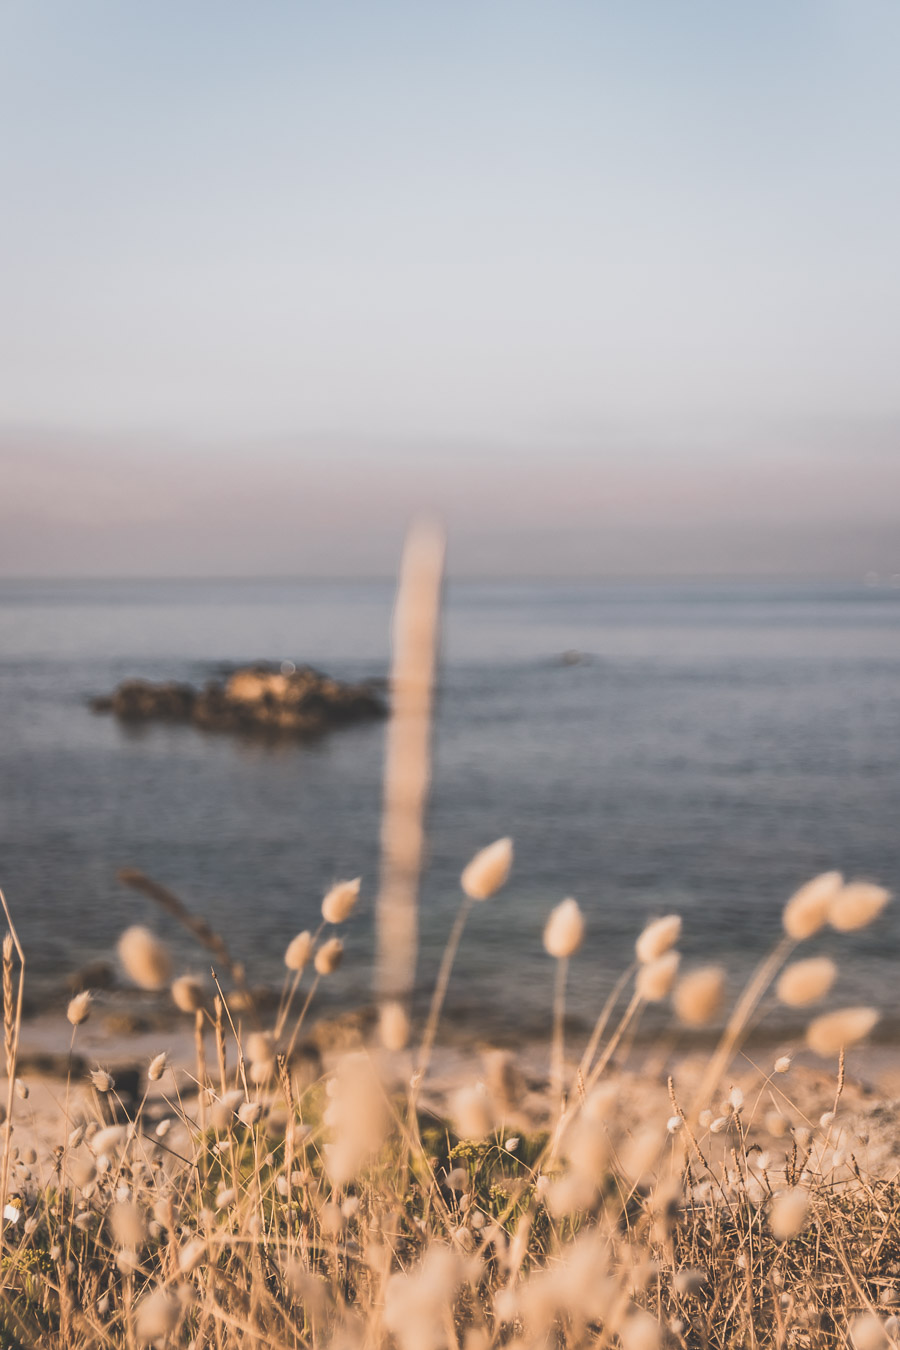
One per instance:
(296,702)
(142,700)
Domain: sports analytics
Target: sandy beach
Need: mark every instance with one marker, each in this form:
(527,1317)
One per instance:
(776,1106)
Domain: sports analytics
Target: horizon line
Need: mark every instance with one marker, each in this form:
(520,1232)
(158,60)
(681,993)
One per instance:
(871,580)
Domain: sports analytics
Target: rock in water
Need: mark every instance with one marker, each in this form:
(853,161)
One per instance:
(138,700)
(259,698)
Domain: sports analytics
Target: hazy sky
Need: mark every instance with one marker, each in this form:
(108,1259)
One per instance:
(615,286)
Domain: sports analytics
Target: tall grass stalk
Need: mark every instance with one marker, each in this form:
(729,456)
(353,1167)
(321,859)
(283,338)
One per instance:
(12,1027)
(737,1021)
(407,770)
(440,991)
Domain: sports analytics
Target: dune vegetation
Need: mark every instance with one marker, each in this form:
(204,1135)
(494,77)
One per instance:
(247,1203)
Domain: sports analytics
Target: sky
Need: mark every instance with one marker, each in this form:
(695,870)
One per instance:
(612,287)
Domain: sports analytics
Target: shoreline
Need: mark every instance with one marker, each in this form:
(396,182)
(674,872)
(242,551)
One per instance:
(870,1103)
(124,1010)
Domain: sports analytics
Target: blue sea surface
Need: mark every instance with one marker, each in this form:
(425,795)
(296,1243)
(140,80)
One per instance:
(719,744)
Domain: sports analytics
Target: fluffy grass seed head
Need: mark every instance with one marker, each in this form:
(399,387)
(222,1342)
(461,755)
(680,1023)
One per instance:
(639,1153)
(112,1139)
(805,982)
(488,870)
(393,1026)
(657,938)
(261,1071)
(146,960)
(470,1108)
(418,1303)
(807,910)
(298,951)
(833,1032)
(586,1150)
(188,994)
(79,1009)
(158,1065)
(191,1255)
(564,932)
(856,905)
(640,1331)
(259,1046)
(698,995)
(788,1213)
(127,1223)
(329,956)
(223,1109)
(655,979)
(156,1316)
(867,1332)
(340,901)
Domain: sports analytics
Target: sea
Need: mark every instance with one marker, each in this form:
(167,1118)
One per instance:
(693,748)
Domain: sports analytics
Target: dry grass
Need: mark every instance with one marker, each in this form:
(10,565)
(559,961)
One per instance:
(255,1207)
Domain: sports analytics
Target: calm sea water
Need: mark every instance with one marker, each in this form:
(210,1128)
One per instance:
(721,744)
